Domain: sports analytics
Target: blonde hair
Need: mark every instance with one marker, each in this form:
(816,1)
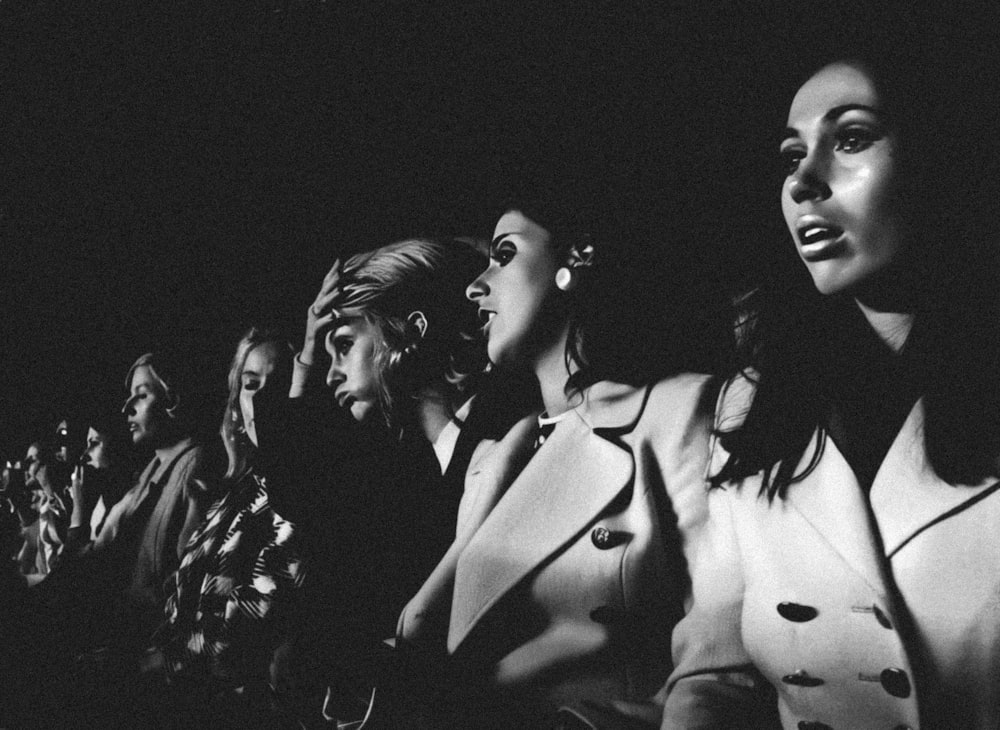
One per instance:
(238,446)
(387,285)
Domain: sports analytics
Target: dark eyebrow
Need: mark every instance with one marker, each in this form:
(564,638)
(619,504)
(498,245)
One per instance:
(844,108)
(833,114)
(500,239)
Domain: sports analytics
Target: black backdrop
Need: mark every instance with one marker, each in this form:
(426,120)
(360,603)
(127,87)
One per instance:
(173,172)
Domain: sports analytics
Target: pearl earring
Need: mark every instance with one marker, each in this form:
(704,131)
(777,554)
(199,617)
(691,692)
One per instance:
(566,279)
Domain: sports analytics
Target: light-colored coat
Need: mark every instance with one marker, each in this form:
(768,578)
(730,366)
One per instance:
(802,588)
(572,562)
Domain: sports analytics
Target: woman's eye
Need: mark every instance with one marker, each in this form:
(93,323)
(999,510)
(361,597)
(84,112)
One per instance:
(855,139)
(790,158)
(503,254)
(342,347)
(251,384)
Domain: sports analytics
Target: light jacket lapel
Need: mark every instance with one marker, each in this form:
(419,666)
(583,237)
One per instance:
(831,500)
(492,468)
(560,492)
(907,495)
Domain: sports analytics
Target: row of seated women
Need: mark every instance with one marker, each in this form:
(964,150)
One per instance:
(587,533)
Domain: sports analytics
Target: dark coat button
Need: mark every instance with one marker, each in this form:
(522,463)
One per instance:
(604,615)
(882,618)
(895,682)
(601,536)
(813,725)
(802,678)
(797,612)
(605,539)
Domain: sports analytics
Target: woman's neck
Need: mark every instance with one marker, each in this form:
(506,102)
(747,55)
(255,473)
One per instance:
(164,452)
(435,409)
(893,328)
(552,372)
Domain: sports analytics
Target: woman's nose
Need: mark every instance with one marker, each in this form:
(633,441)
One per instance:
(477,289)
(127,409)
(809,181)
(334,375)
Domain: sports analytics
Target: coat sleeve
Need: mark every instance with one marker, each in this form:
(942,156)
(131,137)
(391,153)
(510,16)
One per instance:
(714,684)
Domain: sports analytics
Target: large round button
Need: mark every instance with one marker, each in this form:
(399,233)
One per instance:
(895,682)
(797,612)
(601,537)
(813,725)
(605,539)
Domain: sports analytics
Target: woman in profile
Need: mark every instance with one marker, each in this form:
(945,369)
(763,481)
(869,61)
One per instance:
(852,561)
(233,597)
(375,485)
(568,570)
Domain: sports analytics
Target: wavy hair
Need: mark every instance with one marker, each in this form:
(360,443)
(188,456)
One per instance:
(796,345)
(645,308)
(239,448)
(388,284)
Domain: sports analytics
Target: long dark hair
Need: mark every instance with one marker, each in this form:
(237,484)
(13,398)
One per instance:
(792,339)
(648,306)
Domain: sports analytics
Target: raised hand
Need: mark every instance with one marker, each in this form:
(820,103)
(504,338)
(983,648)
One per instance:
(320,315)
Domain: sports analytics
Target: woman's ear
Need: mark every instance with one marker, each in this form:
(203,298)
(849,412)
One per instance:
(419,321)
(173,403)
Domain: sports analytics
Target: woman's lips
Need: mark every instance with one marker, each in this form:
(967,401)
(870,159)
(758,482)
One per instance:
(819,240)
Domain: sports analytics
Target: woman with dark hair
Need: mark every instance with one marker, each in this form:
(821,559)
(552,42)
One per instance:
(852,559)
(101,480)
(568,569)
(233,596)
(376,493)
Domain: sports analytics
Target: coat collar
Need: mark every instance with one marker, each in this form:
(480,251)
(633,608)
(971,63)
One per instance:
(906,497)
(564,487)
(832,501)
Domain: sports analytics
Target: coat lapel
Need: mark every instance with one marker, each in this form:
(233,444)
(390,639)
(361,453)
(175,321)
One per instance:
(492,468)
(568,482)
(831,500)
(907,495)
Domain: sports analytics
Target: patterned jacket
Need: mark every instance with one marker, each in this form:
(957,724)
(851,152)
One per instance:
(232,595)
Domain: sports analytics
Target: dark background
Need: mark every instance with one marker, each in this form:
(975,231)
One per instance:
(173,172)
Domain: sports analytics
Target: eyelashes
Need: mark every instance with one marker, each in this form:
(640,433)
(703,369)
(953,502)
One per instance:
(503,253)
(789,159)
(849,140)
(855,139)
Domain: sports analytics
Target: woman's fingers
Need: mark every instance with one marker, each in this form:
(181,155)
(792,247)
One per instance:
(331,278)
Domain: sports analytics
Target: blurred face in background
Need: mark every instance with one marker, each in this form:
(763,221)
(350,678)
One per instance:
(98,451)
(63,446)
(146,409)
(257,369)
